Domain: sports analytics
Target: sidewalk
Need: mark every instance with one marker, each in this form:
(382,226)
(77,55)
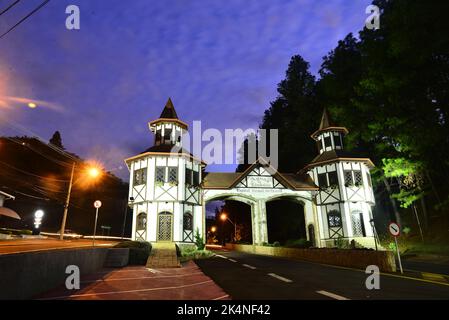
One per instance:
(141,283)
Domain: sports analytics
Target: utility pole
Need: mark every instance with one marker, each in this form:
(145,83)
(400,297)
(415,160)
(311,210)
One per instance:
(66,206)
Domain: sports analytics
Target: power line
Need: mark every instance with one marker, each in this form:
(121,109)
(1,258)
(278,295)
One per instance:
(24,18)
(9,7)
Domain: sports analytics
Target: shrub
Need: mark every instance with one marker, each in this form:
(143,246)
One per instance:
(276,244)
(139,251)
(199,240)
(298,243)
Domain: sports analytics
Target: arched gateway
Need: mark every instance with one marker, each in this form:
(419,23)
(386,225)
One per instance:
(169,189)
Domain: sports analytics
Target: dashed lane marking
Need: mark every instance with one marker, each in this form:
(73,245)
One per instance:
(249,266)
(332,295)
(274,275)
(232,260)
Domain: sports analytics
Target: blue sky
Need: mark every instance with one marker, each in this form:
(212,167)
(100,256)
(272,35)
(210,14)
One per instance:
(219,61)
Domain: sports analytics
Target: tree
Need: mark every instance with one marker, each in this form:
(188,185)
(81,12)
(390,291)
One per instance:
(295,114)
(56,140)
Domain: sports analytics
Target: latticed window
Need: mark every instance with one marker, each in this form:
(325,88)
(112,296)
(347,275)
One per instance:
(140,176)
(160,174)
(334,218)
(333,179)
(337,140)
(322,180)
(188,176)
(348,178)
(188,221)
(141,221)
(358,178)
(173,175)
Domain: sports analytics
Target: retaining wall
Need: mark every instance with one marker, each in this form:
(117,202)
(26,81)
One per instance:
(359,259)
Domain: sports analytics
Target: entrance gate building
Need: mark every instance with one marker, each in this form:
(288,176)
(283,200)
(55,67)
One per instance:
(169,189)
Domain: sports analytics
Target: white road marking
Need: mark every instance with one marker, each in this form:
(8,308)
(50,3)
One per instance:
(332,295)
(274,275)
(232,260)
(222,297)
(220,256)
(141,278)
(126,291)
(249,266)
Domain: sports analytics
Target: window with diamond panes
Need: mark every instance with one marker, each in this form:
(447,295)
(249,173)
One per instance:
(334,218)
(140,176)
(160,174)
(173,175)
(348,178)
(358,178)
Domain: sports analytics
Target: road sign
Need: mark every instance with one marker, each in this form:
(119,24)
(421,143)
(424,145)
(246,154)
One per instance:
(394,229)
(97,204)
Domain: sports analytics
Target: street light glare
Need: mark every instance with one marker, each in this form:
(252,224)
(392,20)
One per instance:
(39,214)
(223,216)
(94,172)
(213,229)
(32,105)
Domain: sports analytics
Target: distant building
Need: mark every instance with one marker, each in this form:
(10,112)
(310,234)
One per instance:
(169,189)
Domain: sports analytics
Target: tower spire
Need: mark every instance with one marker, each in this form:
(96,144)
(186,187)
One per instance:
(169,111)
(326,124)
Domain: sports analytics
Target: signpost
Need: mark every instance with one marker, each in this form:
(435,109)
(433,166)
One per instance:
(97,205)
(395,231)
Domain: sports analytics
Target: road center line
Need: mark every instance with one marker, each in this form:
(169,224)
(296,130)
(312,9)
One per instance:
(220,256)
(274,275)
(249,266)
(232,260)
(332,295)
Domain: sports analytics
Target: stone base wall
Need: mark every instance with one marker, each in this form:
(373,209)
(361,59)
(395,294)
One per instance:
(359,259)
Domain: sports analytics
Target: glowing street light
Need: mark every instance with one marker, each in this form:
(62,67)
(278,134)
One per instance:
(225,217)
(93,172)
(38,215)
(32,105)
(213,229)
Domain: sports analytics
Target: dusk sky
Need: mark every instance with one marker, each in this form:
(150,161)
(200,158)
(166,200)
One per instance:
(219,61)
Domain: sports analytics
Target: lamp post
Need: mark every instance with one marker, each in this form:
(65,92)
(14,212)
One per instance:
(97,205)
(224,217)
(93,172)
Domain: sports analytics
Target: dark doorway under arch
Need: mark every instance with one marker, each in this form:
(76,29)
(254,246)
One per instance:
(285,220)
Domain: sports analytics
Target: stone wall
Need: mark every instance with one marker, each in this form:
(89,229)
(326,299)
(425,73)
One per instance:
(359,259)
(25,275)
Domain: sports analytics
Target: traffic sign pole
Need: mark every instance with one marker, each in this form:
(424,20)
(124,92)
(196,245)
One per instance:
(399,256)
(395,231)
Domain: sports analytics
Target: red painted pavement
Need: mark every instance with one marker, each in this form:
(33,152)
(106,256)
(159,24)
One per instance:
(141,283)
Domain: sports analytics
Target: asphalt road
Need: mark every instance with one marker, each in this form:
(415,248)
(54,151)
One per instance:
(248,276)
(30,245)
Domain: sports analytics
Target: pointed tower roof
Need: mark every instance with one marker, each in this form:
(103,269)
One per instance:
(169,111)
(168,114)
(327,124)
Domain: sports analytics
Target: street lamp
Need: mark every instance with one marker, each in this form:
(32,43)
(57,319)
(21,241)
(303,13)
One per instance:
(213,229)
(92,172)
(225,217)
(38,215)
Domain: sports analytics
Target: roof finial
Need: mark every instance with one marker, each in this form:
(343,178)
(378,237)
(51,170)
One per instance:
(169,111)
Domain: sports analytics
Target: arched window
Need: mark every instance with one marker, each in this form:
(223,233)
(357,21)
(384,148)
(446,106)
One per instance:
(334,219)
(188,221)
(141,221)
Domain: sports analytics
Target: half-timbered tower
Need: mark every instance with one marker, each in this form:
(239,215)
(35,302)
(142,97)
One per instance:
(345,195)
(164,189)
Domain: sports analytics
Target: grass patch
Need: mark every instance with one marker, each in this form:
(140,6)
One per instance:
(190,252)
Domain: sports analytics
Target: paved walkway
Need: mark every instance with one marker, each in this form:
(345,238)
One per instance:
(141,283)
(163,255)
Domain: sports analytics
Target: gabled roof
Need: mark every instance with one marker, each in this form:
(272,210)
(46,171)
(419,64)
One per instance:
(165,150)
(229,180)
(168,114)
(336,155)
(326,124)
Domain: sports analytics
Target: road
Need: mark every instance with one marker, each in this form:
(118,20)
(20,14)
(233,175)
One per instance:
(249,276)
(30,245)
